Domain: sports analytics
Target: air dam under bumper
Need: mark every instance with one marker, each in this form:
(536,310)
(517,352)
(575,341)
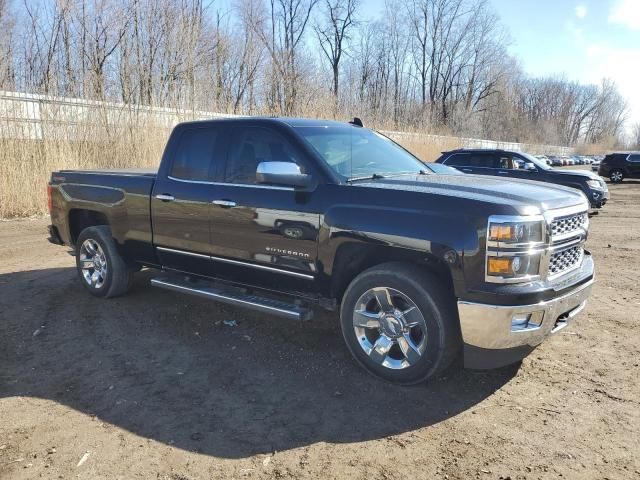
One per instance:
(492,339)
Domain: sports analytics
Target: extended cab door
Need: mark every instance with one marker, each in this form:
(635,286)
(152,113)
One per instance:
(181,198)
(265,233)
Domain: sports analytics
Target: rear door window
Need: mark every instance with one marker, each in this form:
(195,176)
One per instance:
(196,155)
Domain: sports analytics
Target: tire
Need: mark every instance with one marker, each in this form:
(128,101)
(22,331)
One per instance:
(616,175)
(105,273)
(428,326)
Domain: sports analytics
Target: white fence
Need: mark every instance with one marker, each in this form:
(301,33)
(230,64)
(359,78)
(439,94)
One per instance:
(31,116)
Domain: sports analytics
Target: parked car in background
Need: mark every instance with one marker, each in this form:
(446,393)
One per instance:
(618,166)
(595,165)
(555,161)
(509,164)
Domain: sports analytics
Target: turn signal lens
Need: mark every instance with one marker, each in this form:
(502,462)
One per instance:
(501,232)
(499,266)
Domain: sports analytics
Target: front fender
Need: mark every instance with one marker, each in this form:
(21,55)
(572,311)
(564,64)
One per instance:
(428,235)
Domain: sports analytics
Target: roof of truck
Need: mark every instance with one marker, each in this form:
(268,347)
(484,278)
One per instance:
(291,121)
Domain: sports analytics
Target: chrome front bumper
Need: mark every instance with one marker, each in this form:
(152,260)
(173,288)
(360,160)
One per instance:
(493,337)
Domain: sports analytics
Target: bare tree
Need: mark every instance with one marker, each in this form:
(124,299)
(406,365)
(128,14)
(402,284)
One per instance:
(332,30)
(282,33)
(7,25)
(635,136)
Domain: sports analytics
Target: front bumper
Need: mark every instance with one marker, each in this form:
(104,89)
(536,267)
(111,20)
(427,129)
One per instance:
(493,337)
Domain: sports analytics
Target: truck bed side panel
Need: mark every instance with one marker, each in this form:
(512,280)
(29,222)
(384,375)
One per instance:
(121,199)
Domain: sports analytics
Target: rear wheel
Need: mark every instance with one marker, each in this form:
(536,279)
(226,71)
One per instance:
(399,323)
(616,175)
(101,269)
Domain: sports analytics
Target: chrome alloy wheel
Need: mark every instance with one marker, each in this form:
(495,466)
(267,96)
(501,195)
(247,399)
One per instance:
(93,263)
(616,176)
(390,328)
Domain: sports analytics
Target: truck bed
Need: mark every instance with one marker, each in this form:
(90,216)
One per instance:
(117,197)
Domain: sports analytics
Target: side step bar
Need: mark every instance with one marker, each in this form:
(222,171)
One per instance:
(229,296)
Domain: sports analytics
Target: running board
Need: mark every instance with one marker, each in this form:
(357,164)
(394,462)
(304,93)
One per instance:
(230,297)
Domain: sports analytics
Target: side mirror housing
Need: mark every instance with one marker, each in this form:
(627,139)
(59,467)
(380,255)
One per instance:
(530,167)
(282,173)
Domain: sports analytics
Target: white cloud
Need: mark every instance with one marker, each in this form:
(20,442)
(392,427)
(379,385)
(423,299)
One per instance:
(581,11)
(626,12)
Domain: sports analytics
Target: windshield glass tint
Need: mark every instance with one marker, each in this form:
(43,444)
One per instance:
(536,161)
(354,152)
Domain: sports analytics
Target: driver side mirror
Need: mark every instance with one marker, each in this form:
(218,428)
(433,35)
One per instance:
(282,173)
(529,167)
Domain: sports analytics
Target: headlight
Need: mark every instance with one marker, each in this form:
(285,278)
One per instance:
(515,246)
(595,184)
(516,232)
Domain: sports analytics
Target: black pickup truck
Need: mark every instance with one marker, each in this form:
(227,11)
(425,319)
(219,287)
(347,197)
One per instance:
(509,164)
(285,215)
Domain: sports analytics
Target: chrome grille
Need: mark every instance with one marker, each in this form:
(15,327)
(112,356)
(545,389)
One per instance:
(567,225)
(565,260)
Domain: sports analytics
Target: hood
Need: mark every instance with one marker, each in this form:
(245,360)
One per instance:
(580,173)
(525,196)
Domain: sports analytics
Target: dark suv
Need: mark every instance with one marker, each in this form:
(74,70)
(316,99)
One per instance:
(509,164)
(618,166)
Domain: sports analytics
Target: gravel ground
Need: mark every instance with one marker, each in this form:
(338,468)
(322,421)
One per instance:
(155,385)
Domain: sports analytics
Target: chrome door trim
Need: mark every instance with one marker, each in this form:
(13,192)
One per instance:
(182,252)
(262,267)
(224,184)
(237,262)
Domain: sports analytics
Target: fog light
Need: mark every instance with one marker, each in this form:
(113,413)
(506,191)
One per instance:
(526,321)
(520,321)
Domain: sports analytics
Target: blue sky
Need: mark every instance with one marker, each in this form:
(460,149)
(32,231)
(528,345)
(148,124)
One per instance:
(584,40)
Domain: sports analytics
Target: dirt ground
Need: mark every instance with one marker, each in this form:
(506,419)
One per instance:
(154,385)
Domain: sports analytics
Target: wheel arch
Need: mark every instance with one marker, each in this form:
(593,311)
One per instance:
(81,218)
(353,258)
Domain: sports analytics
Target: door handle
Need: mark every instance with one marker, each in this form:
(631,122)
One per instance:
(224,203)
(466,170)
(503,173)
(165,197)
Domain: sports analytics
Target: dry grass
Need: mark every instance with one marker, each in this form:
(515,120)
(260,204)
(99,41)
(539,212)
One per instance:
(26,165)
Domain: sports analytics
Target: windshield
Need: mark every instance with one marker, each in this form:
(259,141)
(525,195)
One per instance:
(355,152)
(536,161)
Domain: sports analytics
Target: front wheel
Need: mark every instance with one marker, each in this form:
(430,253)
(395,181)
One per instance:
(399,323)
(616,175)
(101,269)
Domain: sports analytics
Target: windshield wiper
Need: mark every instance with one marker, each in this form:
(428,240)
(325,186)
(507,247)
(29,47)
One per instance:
(374,176)
(377,176)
